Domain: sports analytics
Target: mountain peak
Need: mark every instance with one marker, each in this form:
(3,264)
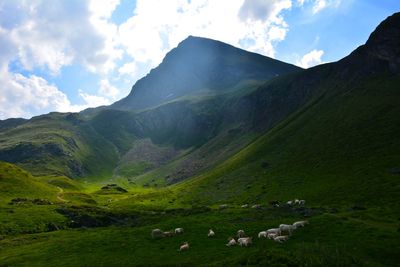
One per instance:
(380,53)
(387,33)
(199,66)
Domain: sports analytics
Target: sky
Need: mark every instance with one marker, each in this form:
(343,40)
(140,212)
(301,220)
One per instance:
(68,55)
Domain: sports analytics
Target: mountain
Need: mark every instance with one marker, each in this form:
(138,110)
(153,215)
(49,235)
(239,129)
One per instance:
(164,142)
(198,108)
(340,146)
(200,66)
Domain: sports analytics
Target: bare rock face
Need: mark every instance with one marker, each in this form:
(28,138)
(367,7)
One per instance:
(381,53)
(384,42)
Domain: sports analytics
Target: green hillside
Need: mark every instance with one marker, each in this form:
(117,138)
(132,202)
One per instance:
(340,148)
(15,181)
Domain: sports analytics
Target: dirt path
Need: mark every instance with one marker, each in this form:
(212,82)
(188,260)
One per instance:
(60,194)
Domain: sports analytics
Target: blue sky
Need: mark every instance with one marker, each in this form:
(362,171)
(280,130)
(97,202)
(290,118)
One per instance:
(68,55)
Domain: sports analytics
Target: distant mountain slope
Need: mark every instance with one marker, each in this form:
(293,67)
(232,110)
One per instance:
(15,182)
(60,144)
(200,66)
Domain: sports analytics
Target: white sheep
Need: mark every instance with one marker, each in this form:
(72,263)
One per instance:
(281,238)
(178,231)
(302,202)
(184,246)
(262,234)
(240,233)
(245,206)
(272,235)
(223,206)
(256,206)
(296,201)
(211,233)
(168,233)
(274,231)
(290,202)
(300,224)
(157,233)
(231,242)
(245,241)
(287,228)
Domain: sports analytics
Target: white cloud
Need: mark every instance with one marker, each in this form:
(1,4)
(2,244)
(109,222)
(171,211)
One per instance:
(58,34)
(318,5)
(262,10)
(151,32)
(106,89)
(311,59)
(93,100)
(22,96)
(128,69)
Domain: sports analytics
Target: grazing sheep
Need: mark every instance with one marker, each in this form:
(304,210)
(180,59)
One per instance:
(211,233)
(272,235)
(300,224)
(245,241)
(281,238)
(302,202)
(179,231)
(245,206)
(231,242)
(262,234)
(157,233)
(296,201)
(223,206)
(274,231)
(256,206)
(184,246)
(290,202)
(169,233)
(287,228)
(240,233)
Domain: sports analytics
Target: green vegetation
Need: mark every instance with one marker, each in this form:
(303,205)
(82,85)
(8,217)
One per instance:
(90,187)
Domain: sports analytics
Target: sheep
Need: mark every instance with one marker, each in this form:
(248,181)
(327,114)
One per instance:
(245,241)
(231,242)
(300,224)
(157,233)
(296,201)
(169,233)
(211,233)
(240,233)
(290,202)
(256,206)
(245,206)
(262,234)
(272,235)
(302,202)
(223,206)
(281,238)
(274,231)
(287,228)
(184,246)
(179,231)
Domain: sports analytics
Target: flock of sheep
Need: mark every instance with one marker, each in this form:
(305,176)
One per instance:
(280,234)
(242,240)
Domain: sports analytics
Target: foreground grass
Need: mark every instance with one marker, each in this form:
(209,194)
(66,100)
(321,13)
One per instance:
(331,239)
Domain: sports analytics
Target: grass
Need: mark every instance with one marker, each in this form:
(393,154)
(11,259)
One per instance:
(311,246)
